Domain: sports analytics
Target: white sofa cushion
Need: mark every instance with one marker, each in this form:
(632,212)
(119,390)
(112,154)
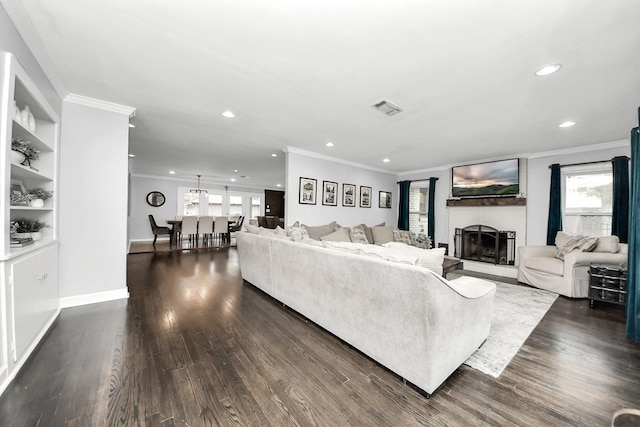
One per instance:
(431,259)
(549,265)
(372,251)
(272,233)
(608,244)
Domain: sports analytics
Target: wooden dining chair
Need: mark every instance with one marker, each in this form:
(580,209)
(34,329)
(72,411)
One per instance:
(190,228)
(205,227)
(221,228)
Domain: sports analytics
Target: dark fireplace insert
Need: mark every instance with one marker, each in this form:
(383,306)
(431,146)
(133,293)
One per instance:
(485,244)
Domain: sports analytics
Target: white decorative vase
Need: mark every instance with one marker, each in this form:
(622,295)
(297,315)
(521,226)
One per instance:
(17,115)
(28,120)
(37,203)
(17,157)
(36,235)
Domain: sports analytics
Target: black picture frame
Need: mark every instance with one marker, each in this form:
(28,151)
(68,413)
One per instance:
(384,199)
(365,196)
(308,191)
(349,195)
(330,193)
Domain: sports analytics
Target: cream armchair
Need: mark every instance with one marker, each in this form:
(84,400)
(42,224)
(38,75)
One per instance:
(539,267)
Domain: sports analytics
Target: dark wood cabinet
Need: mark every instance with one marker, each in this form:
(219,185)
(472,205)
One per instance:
(607,283)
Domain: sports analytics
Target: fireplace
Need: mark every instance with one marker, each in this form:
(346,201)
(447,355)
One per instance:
(485,244)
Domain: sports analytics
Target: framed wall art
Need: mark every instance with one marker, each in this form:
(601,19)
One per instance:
(329,193)
(348,195)
(384,200)
(308,191)
(365,197)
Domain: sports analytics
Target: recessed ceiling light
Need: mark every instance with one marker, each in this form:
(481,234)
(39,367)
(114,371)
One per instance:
(235,170)
(172,172)
(278,185)
(548,69)
(228,114)
(386,160)
(132,155)
(274,155)
(329,144)
(131,125)
(566,124)
(233,180)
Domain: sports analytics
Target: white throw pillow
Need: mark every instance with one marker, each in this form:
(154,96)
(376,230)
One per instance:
(252,228)
(431,259)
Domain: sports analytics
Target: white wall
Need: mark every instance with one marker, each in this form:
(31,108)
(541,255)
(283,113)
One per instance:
(539,177)
(93,204)
(139,210)
(324,169)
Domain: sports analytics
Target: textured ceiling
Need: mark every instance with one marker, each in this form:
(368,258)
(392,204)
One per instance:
(301,73)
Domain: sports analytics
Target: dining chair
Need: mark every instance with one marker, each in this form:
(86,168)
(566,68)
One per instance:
(205,227)
(158,231)
(233,228)
(190,228)
(221,227)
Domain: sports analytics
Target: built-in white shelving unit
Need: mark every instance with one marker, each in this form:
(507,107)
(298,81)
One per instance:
(29,300)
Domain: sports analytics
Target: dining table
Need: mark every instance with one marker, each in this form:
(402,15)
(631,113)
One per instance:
(176,226)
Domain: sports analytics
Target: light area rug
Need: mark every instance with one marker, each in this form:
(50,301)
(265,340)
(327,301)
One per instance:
(516,312)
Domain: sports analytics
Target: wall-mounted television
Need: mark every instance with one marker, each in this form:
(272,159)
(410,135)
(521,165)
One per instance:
(491,179)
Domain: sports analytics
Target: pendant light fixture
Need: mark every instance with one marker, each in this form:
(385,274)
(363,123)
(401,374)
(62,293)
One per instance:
(198,190)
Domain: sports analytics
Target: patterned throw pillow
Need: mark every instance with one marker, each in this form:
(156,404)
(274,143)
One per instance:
(358,236)
(403,236)
(297,233)
(575,243)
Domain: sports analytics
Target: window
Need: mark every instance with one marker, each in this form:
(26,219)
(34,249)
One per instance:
(418,206)
(256,207)
(588,199)
(191,204)
(235,206)
(215,205)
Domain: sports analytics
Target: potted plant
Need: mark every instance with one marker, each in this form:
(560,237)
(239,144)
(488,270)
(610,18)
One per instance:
(39,196)
(29,226)
(25,148)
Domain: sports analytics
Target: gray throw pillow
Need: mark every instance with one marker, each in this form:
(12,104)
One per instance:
(382,235)
(316,232)
(340,235)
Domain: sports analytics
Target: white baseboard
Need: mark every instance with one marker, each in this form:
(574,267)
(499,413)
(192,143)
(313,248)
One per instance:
(77,300)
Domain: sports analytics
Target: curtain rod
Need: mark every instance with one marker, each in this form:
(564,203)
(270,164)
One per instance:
(416,180)
(587,163)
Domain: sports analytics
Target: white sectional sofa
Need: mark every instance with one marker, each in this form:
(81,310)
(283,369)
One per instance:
(407,318)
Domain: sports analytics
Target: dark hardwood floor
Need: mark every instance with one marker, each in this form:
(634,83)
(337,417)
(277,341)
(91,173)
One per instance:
(196,346)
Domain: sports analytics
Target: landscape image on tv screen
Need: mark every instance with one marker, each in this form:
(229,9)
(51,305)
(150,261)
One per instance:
(492,179)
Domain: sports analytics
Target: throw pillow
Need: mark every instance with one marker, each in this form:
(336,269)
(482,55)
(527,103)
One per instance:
(281,231)
(576,243)
(252,228)
(316,232)
(340,235)
(431,259)
(403,236)
(382,235)
(271,233)
(608,244)
(297,233)
(358,236)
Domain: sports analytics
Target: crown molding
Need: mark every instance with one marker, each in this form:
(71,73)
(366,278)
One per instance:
(98,103)
(581,149)
(315,155)
(233,186)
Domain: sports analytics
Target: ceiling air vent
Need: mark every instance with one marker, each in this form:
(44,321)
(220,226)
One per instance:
(387,108)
